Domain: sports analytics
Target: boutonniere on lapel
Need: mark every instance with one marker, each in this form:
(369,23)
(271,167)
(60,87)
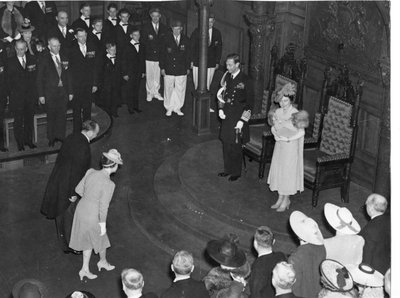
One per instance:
(31,67)
(216,42)
(169,50)
(65,64)
(91,54)
(151,37)
(71,31)
(1,50)
(182,47)
(1,69)
(240,86)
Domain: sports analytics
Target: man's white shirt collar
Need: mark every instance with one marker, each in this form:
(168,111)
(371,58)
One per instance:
(235,74)
(181,278)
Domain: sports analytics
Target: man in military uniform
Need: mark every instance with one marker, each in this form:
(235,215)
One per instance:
(234,103)
(213,54)
(153,34)
(175,66)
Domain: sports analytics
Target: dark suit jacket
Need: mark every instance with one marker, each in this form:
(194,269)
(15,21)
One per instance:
(173,58)
(66,42)
(48,79)
(85,70)
(149,295)
(21,82)
(214,48)
(99,43)
(121,38)
(79,23)
(110,29)
(152,41)
(188,288)
(133,61)
(72,162)
(376,234)
(3,81)
(240,100)
(40,20)
(261,275)
(111,73)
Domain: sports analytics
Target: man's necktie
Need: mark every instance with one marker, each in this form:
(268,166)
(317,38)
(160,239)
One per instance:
(156,29)
(98,32)
(58,64)
(114,19)
(177,41)
(83,50)
(112,58)
(136,43)
(87,19)
(63,32)
(23,63)
(124,24)
(209,37)
(43,6)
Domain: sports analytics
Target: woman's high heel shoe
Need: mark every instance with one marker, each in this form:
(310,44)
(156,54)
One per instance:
(105,265)
(88,274)
(285,206)
(278,203)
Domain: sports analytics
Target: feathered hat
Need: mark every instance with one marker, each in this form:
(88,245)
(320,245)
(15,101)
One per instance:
(287,90)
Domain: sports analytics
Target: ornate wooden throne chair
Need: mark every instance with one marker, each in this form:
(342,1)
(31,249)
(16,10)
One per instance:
(329,152)
(284,70)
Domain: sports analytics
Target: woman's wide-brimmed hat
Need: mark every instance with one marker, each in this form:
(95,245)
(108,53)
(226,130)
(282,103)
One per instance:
(365,275)
(335,277)
(31,287)
(114,156)
(306,228)
(341,219)
(26,27)
(226,252)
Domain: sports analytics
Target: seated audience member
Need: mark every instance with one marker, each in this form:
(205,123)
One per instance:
(80,294)
(233,265)
(133,283)
(308,256)
(283,279)
(346,247)
(335,278)
(388,282)
(368,280)
(261,270)
(29,288)
(184,286)
(376,234)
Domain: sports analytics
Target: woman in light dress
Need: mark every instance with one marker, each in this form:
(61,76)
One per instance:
(89,225)
(286,171)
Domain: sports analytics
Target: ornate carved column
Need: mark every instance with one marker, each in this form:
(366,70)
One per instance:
(382,177)
(261,26)
(201,97)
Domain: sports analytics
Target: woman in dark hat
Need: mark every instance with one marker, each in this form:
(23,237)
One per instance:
(233,266)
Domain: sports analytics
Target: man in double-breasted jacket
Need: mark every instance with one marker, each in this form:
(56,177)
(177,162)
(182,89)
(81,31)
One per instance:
(21,74)
(133,70)
(234,110)
(175,66)
(85,62)
(54,86)
(153,34)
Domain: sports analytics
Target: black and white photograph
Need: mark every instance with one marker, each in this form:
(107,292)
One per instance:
(198,148)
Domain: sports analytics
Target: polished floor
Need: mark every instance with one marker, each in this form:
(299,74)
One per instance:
(159,206)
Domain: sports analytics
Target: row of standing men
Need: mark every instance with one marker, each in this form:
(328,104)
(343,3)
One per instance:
(100,59)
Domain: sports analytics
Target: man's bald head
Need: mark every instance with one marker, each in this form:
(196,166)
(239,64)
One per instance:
(62,18)
(376,204)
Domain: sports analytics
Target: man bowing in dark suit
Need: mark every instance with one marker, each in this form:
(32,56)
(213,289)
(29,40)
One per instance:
(85,65)
(21,74)
(184,286)
(234,105)
(54,86)
(376,234)
(133,70)
(72,162)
